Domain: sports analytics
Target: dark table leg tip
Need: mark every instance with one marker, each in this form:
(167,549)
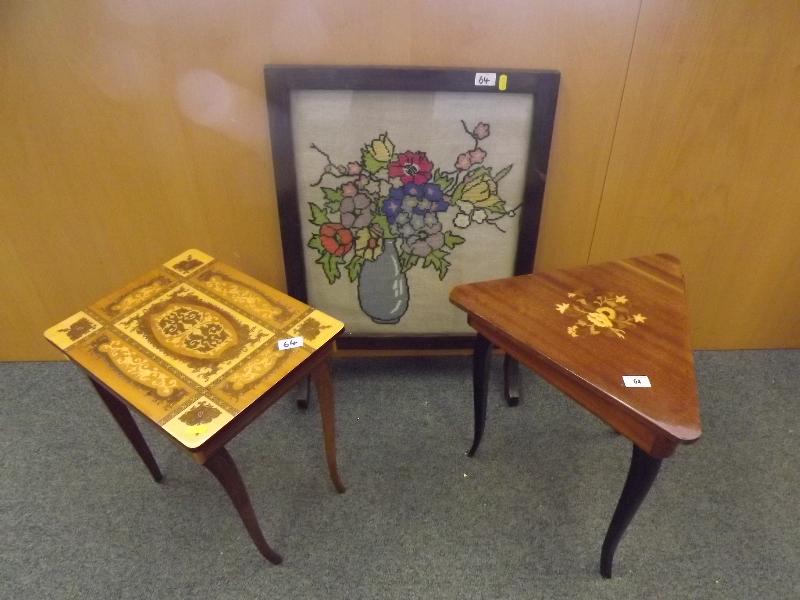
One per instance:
(158,478)
(303,401)
(511,380)
(274,558)
(339,486)
(605,567)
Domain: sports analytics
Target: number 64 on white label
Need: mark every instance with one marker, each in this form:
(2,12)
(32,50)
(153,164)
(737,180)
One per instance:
(289,343)
(485,79)
(636,381)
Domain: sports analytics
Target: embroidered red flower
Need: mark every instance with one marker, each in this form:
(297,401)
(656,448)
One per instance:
(411,167)
(336,238)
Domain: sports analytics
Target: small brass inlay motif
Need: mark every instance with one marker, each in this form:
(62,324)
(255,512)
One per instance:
(187,265)
(605,314)
(311,328)
(202,412)
(79,329)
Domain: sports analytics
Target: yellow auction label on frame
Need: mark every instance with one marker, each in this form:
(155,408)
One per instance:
(502,83)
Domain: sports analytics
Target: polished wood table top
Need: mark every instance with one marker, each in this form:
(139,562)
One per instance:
(584,329)
(193,343)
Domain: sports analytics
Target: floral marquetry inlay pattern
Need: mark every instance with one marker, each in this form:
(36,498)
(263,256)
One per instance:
(200,414)
(193,331)
(255,369)
(139,368)
(79,329)
(598,314)
(245,297)
(187,263)
(72,330)
(315,329)
(192,343)
(138,296)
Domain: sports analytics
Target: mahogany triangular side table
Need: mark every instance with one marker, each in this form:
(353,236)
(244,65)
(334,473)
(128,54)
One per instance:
(612,336)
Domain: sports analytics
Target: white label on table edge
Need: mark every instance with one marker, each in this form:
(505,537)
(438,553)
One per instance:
(486,79)
(290,343)
(636,381)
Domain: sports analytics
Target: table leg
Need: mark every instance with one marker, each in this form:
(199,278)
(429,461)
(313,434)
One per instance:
(324,384)
(303,400)
(124,419)
(642,473)
(481,362)
(224,469)
(511,378)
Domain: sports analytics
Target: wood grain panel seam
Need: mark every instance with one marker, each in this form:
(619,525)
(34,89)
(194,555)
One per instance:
(614,134)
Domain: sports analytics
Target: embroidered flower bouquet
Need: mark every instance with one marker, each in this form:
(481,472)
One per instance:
(393,208)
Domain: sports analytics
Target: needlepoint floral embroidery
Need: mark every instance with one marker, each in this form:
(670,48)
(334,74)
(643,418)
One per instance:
(403,199)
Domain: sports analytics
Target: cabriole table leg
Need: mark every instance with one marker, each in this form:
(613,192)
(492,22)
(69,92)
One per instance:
(224,469)
(642,473)
(322,381)
(481,363)
(124,419)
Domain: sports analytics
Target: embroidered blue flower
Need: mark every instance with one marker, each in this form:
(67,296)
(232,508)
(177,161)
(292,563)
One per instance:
(414,198)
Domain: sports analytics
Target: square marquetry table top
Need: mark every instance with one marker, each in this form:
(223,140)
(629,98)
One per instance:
(192,343)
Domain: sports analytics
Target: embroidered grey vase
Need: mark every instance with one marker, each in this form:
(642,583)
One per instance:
(383,287)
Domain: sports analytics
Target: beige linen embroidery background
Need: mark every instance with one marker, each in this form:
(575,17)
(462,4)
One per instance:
(339,126)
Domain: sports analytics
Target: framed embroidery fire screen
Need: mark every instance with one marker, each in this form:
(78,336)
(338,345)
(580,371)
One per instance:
(394,185)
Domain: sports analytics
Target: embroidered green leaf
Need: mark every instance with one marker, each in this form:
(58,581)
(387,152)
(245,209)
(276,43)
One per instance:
(408,261)
(371,164)
(330,266)
(315,243)
(318,215)
(498,208)
(354,267)
(458,192)
(479,172)
(503,172)
(382,222)
(333,198)
(437,260)
(451,240)
(443,180)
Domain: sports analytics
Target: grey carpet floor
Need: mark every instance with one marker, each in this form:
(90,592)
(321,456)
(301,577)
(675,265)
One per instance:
(80,517)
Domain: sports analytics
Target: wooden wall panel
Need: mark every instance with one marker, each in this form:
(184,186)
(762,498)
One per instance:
(135,129)
(706,164)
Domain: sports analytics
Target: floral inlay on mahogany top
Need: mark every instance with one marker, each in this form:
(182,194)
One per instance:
(607,313)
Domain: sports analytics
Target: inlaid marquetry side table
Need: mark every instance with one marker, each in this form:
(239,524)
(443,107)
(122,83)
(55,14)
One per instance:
(201,350)
(612,336)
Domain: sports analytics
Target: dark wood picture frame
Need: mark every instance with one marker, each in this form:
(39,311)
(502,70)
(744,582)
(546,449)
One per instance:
(282,80)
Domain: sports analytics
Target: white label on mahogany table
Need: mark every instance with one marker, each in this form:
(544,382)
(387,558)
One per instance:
(636,381)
